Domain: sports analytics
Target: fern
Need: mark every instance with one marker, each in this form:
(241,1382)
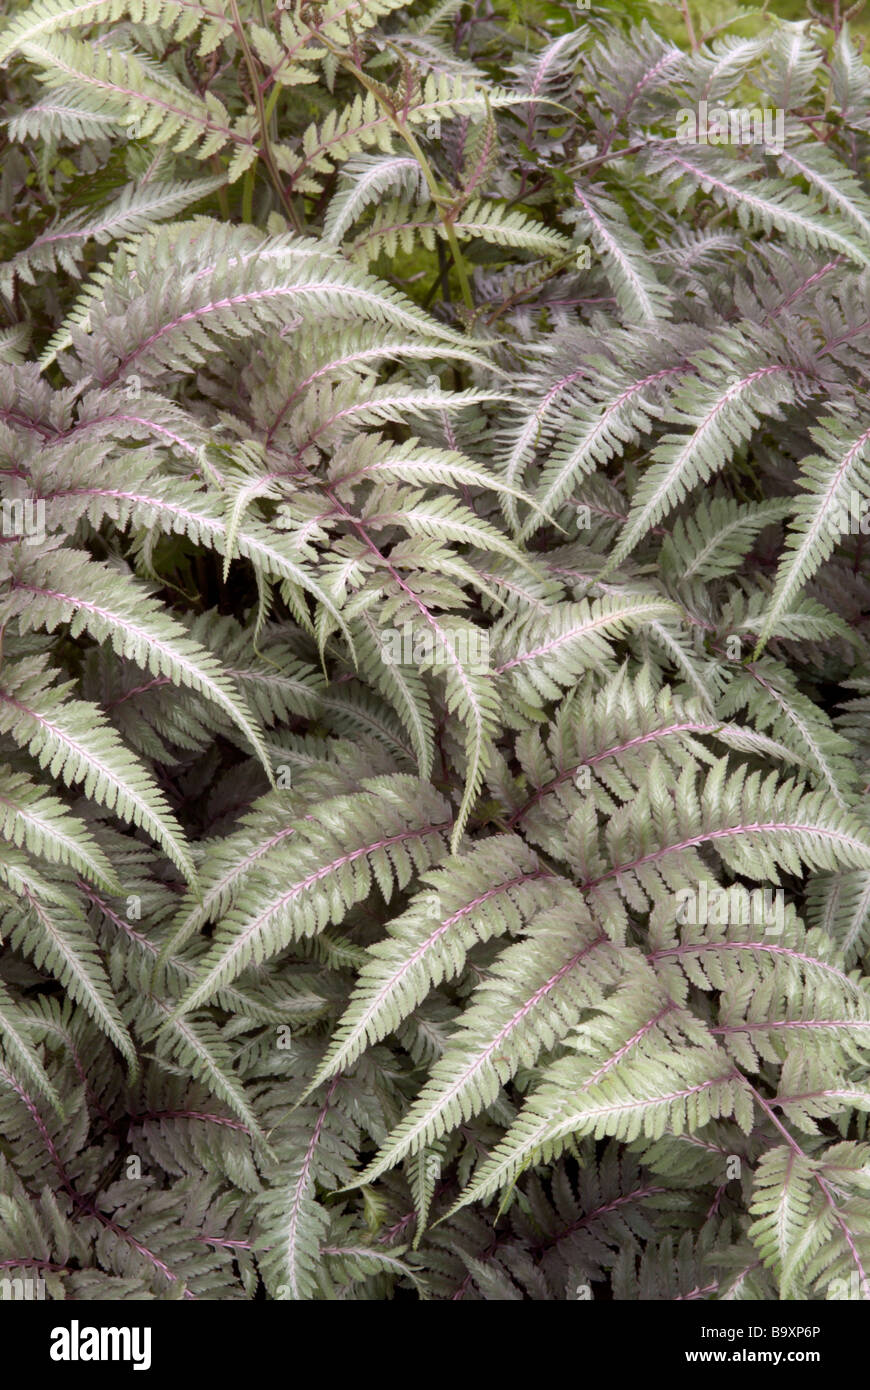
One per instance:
(832,480)
(433,654)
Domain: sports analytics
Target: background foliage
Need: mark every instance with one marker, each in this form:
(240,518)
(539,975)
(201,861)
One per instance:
(429,556)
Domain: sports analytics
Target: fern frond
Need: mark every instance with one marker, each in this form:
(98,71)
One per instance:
(537,990)
(544,655)
(722,406)
(47,16)
(839,905)
(21,1051)
(29,816)
(833,481)
(762,204)
(73,740)
(642,298)
(56,937)
(262,923)
(644,1067)
(776,705)
(479,896)
(363,181)
(613,411)
(134,210)
(77,590)
(127,88)
(834,185)
(714,540)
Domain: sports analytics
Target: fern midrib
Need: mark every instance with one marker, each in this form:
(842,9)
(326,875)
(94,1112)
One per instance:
(612,752)
(707,835)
